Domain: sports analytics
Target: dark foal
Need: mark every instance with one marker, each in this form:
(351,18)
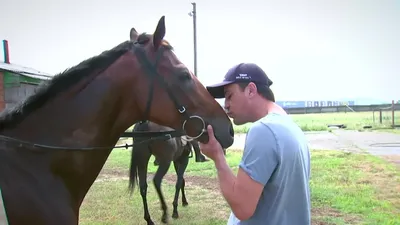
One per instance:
(198,156)
(174,150)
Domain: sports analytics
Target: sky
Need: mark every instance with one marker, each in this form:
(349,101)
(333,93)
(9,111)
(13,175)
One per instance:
(311,50)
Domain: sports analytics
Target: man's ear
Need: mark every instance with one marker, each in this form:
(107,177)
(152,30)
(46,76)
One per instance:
(251,89)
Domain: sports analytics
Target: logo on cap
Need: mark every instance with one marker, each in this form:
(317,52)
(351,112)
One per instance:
(243,76)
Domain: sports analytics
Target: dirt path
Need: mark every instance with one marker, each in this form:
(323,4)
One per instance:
(386,145)
(376,143)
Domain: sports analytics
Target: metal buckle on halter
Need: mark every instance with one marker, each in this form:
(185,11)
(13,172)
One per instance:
(182,110)
(203,130)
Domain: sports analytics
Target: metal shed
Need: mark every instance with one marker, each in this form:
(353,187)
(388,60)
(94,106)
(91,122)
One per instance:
(17,83)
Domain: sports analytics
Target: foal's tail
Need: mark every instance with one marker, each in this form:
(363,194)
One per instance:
(135,159)
(133,171)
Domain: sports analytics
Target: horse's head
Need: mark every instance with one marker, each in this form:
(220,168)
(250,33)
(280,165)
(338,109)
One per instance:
(170,94)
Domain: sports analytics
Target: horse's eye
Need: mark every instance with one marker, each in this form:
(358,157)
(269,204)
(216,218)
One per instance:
(185,77)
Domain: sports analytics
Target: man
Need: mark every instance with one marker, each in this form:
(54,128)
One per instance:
(272,183)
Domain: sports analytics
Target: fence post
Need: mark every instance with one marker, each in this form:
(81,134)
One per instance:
(380,116)
(373,116)
(393,114)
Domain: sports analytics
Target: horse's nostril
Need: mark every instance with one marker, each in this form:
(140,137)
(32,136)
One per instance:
(231,131)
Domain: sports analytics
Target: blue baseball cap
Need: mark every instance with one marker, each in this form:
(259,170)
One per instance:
(243,72)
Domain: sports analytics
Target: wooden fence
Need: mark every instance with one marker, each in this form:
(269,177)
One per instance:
(375,109)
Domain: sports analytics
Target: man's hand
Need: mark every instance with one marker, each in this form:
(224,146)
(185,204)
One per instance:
(213,148)
(242,192)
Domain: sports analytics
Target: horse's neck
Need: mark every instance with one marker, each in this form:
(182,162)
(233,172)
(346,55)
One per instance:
(90,118)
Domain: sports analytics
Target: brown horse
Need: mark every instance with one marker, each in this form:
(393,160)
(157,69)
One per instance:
(54,144)
(175,150)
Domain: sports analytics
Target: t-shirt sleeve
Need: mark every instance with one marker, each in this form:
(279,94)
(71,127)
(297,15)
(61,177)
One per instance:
(260,153)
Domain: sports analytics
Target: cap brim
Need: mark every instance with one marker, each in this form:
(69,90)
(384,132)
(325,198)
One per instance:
(217,90)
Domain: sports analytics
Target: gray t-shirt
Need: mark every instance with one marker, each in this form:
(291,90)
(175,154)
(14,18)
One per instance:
(276,155)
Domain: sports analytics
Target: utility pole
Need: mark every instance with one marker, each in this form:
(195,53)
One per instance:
(193,14)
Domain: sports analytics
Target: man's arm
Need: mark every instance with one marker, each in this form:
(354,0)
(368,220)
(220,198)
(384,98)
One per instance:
(258,163)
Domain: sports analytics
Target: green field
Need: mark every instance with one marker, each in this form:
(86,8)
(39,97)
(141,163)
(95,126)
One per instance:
(346,189)
(353,121)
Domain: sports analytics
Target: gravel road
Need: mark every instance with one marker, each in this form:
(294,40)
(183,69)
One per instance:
(376,143)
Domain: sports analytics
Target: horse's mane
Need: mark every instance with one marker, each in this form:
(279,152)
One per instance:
(47,90)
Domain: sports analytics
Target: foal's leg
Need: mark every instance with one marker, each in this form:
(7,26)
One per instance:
(155,161)
(199,157)
(184,200)
(161,171)
(177,189)
(184,164)
(180,167)
(142,173)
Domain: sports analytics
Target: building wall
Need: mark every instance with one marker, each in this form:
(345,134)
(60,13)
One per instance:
(12,79)
(14,95)
(15,88)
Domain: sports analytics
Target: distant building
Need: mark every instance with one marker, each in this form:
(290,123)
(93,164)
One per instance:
(316,103)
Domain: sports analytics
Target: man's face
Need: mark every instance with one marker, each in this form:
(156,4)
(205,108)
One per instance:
(236,104)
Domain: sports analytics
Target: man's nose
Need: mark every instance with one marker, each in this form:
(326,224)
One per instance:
(226,108)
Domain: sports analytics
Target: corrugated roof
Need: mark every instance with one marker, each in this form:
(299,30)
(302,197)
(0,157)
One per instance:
(24,71)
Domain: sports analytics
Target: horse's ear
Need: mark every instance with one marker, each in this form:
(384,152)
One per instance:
(159,34)
(133,34)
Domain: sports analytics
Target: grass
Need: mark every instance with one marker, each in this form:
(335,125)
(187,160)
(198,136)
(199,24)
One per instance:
(353,121)
(346,189)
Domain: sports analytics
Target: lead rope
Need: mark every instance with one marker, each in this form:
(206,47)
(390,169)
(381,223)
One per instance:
(126,146)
